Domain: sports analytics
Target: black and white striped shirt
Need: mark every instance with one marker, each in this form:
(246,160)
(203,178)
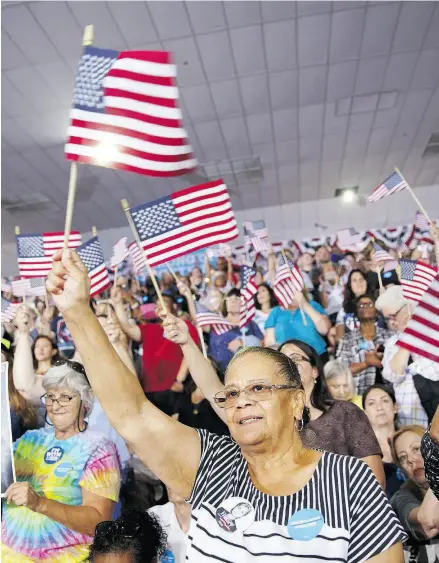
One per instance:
(358,524)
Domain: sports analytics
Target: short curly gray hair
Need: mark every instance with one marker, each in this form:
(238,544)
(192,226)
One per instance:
(334,368)
(65,376)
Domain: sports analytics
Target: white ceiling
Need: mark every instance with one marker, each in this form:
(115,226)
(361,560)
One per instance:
(294,83)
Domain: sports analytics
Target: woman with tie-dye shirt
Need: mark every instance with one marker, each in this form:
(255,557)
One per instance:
(68,478)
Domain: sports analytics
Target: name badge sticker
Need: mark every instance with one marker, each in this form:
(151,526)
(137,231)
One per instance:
(235,514)
(306,524)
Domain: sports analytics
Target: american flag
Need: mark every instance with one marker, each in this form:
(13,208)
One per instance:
(348,237)
(93,258)
(35,252)
(390,265)
(288,280)
(256,234)
(205,317)
(137,258)
(416,278)
(381,255)
(125,114)
(21,287)
(185,221)
(394,183)
(9,310)
(422,222)
(120,252)
(248,292)
(403,248)
(421,335)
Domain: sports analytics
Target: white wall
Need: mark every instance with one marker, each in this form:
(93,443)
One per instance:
(296,220)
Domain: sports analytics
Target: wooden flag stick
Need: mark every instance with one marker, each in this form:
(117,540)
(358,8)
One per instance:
(199,329)
(126,208)
(412,193)
(380,281)
(87,39)
(302,313)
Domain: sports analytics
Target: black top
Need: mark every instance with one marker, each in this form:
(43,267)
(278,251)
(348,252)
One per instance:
(199,415)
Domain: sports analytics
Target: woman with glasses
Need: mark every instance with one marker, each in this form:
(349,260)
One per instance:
(289,492)
(68,477)
(415,379)
(135,537)
(423,544)
(334,426)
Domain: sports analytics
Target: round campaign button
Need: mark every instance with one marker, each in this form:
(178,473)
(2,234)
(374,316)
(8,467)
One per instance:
(235,514)
(53,455)
(167,557)
(63,469)
(306,524)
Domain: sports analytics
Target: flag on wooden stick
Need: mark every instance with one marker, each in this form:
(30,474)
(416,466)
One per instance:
(394,183)
(93,258)
(120,252)
(184,222)
(9,310)
(416,278)
(137,258)
(248,292)
(205,317)
(125,114)
(287,282)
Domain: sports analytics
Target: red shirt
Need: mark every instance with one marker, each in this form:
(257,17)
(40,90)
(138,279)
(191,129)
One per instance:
(161,357)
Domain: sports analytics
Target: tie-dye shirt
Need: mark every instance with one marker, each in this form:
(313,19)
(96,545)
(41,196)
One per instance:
(59,470)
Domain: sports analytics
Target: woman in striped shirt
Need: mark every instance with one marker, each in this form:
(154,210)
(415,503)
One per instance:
(260,495)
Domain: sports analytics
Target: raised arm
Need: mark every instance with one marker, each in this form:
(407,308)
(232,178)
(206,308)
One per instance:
(321,322)
(28,384)
(132,331)
(201,370)
(171,450)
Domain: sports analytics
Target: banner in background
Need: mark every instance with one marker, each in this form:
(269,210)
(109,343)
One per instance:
(7,459)
(184,264)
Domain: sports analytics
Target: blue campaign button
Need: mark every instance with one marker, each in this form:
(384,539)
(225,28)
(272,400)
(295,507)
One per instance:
(306,524)
(63,469)
(167,557)
(53,455)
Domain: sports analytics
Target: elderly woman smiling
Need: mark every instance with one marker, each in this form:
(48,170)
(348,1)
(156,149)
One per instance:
(298,502)
(67,477)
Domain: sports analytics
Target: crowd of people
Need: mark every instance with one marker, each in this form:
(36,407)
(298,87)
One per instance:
(308,433)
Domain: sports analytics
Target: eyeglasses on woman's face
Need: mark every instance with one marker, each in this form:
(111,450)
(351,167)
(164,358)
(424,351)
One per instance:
(63,400)
(366,305)
(257,391)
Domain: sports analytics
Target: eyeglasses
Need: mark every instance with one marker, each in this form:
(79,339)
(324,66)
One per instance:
(124,528)
(393,317)
(255,391)
(366,305)
(297,358)
(63,400)
(75,366)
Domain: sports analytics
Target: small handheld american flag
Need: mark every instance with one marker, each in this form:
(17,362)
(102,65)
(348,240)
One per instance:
(9,310)
(125,114)
(93,258)
(416,278)
(421,222)
(394,183)
(256,234)
(421,335)
(184,222)
(287,282)
(205,317)
(35,252)
(137,258)
(381,255)
(120,252)
(248,292)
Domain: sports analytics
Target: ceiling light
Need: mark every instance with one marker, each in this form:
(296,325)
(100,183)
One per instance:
(348,196)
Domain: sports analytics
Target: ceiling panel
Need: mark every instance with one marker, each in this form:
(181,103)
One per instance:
(324,93)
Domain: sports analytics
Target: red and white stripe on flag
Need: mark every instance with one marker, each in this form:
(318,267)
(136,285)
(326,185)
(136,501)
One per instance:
(247,311)
(55,241)
(421,335)
(125,114)
(120,252)
(287,282)
(137,257)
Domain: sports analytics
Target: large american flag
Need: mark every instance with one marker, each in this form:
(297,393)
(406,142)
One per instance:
(35,252)
(137,258)
(288,280)
(416,278)
(185,221)
(93,258)
(9,310)
(256,234)
(421,222)
(248,292)
(205,317)
(125,114)
(394,183)
(421,335)
(120,252)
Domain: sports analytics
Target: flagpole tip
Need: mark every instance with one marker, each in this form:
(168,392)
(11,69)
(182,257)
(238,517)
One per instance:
(125,204)
(17,230)
(87,38)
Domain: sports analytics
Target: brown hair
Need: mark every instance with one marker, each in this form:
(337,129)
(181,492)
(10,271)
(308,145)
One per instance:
(415,428)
